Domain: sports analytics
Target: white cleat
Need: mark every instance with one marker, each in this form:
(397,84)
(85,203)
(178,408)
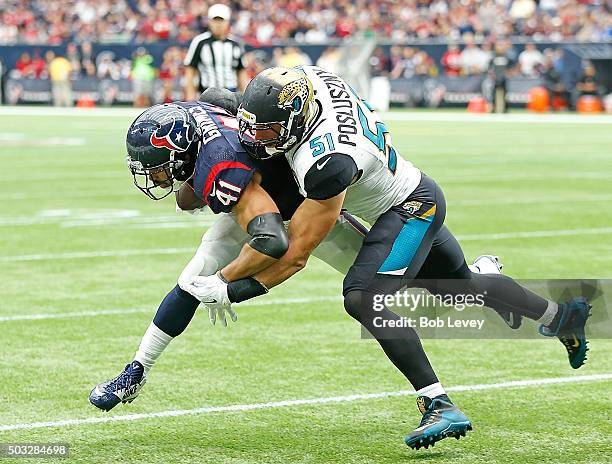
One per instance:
(489,264)
(486,264)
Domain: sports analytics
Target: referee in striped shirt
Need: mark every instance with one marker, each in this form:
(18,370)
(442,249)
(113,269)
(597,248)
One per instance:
(214,57)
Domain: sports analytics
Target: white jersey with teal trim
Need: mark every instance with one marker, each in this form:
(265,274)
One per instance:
(346,125)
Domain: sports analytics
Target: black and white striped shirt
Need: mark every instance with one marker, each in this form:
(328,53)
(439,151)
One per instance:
(217,61)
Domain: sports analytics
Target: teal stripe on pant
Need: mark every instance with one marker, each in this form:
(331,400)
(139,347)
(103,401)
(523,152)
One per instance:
(406,245)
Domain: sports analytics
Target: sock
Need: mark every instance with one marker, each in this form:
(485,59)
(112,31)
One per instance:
(176,311)
(431,391)
(550,314)
(401,344)
(152,345)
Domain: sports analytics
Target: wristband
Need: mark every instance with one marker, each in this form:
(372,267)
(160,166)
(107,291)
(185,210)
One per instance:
(245,289)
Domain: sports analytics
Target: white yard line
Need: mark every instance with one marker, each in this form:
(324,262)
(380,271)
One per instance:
(532,200)
(297,402)
(71,112)
(21,139)
(69,175)
(80,194)
(101,312)
(109,312)
(140,220)
(475,179)
(97,220)
(171,251)
(537,234)
(97,254)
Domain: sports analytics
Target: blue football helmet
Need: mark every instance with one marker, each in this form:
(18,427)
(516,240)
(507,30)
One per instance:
(162,146)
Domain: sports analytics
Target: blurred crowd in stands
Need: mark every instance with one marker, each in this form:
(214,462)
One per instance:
(81,62)
(469,59)
(477,60)
(261,22)
(398,62)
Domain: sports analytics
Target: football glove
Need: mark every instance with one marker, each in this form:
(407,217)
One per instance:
(212,292)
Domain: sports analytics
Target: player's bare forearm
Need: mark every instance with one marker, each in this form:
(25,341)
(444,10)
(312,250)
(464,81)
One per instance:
(310,224)
(249,262)
(254,203)
(294,261)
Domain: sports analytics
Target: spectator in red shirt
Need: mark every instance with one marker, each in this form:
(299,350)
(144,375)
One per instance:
(24,65)
(146,33)
(344,27)
(39,66)
(162,26)
(183,18)
(451,60)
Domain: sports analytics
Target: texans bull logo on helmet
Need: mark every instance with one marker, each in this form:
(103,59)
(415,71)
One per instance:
(177,135)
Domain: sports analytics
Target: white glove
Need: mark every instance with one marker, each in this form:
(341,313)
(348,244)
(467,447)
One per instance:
(212,292)
(218,310)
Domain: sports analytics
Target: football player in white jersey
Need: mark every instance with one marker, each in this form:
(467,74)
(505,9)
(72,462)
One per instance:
(342,157)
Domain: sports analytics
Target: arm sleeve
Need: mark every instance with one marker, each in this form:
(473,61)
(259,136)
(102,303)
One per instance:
(329,176)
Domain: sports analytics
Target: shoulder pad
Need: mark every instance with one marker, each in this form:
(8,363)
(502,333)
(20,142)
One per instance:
(222,98)
(329,176)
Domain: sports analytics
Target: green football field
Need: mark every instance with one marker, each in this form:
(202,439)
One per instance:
(86,259)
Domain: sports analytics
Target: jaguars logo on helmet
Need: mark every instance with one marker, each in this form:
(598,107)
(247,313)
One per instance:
(282,100)
(295,95)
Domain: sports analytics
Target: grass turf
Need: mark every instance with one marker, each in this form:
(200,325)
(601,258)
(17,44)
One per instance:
(497,177)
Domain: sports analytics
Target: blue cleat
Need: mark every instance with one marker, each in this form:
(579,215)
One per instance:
(122,389)
(570,329)
(441,419)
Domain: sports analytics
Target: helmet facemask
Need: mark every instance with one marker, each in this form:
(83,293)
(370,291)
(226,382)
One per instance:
(159,181)
(267,139)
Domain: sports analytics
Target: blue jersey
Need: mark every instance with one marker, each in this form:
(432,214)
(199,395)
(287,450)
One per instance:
(223,168)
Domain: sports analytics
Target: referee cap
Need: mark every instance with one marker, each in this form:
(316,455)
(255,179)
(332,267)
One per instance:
(219,10)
